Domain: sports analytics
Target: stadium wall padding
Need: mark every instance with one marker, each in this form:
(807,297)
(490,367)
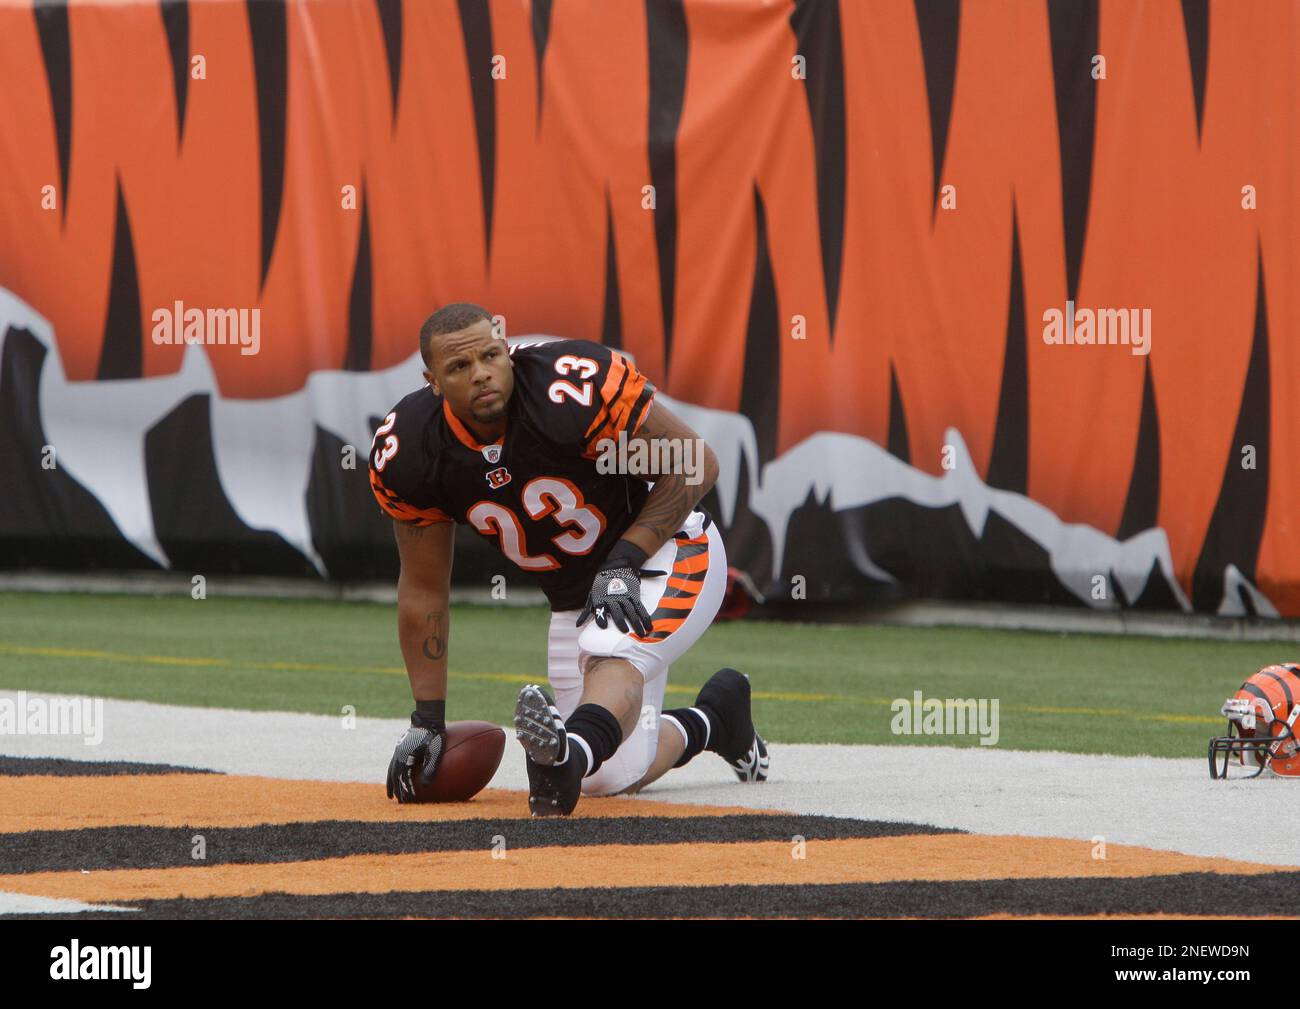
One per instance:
(829,231)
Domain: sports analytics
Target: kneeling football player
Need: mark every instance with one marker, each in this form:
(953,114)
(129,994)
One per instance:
(508,442)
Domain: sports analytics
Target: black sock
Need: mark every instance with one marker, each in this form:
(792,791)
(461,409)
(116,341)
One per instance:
(694,725)
(599,730)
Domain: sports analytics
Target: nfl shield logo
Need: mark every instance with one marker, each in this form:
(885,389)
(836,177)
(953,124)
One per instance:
(492,453)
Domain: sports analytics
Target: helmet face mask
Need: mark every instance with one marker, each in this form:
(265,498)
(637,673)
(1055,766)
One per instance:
(1224,748)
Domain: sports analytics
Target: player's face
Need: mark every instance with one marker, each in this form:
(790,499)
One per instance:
(473,372)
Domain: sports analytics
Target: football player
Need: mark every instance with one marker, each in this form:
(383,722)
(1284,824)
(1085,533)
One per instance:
(508,442)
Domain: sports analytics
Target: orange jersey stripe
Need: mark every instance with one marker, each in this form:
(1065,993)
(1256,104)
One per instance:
(609,389)
(685,585)
(690,565)
(396,508)
(619,414)
(621,409)
(660,627)
(678,602)
(607,433)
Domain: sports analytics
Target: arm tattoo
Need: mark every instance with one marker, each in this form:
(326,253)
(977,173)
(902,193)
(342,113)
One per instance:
(669,503)
(435,645)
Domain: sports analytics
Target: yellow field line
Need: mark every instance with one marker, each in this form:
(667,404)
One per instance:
(323,667)
(762,695)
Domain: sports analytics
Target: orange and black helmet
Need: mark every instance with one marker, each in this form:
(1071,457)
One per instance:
(1261,721)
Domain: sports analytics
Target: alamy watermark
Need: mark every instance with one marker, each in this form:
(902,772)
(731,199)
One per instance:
(932,716)
(213,327)
(1126,327)
(22,715)
(76,962)
(652,457)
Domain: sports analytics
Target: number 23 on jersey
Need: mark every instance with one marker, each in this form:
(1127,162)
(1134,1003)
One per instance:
(542,496)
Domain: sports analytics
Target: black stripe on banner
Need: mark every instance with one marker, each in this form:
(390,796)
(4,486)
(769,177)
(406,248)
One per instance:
(176,23)
(817,30)
(1142,505)
(269,33)
(390,21)
(541,35)
(358,353)
(1196,27)
(1009,461)
(17,767)
(668,48)
(760,386)
(1201,893)
(1237,522)
(1073,26)
(897,441)
(938,22)
(611,325)
(476,35)
(121,354)
(56,55)
(129,847)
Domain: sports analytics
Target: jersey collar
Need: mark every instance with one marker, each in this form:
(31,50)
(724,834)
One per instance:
(464,435)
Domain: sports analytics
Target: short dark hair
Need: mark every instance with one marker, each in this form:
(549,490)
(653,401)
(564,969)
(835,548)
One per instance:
(449,319)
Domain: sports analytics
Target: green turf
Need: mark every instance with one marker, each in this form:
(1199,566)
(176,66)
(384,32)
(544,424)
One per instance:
(816,683)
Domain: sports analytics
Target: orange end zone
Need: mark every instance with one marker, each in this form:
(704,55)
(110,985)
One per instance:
(39,802)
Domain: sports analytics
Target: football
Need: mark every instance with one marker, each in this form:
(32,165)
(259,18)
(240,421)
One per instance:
(472,755)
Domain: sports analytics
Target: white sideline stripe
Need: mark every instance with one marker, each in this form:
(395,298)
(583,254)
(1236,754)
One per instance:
(1169,804)
(26,903)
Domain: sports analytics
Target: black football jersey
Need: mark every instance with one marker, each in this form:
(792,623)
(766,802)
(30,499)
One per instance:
(535,492)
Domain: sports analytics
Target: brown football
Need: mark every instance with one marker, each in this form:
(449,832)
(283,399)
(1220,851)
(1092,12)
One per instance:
(471,755)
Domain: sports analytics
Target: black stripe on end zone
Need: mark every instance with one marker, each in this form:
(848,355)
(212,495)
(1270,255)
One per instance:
(12,767)
(128,847)
(1189,893)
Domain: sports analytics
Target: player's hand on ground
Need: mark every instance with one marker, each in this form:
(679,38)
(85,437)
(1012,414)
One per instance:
(616,591)
(414,763)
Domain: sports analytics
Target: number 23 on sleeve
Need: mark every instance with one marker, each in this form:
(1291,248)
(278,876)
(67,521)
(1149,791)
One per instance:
(383,455)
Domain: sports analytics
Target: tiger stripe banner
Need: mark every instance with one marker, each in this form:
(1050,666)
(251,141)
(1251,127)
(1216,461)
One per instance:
(982,300)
